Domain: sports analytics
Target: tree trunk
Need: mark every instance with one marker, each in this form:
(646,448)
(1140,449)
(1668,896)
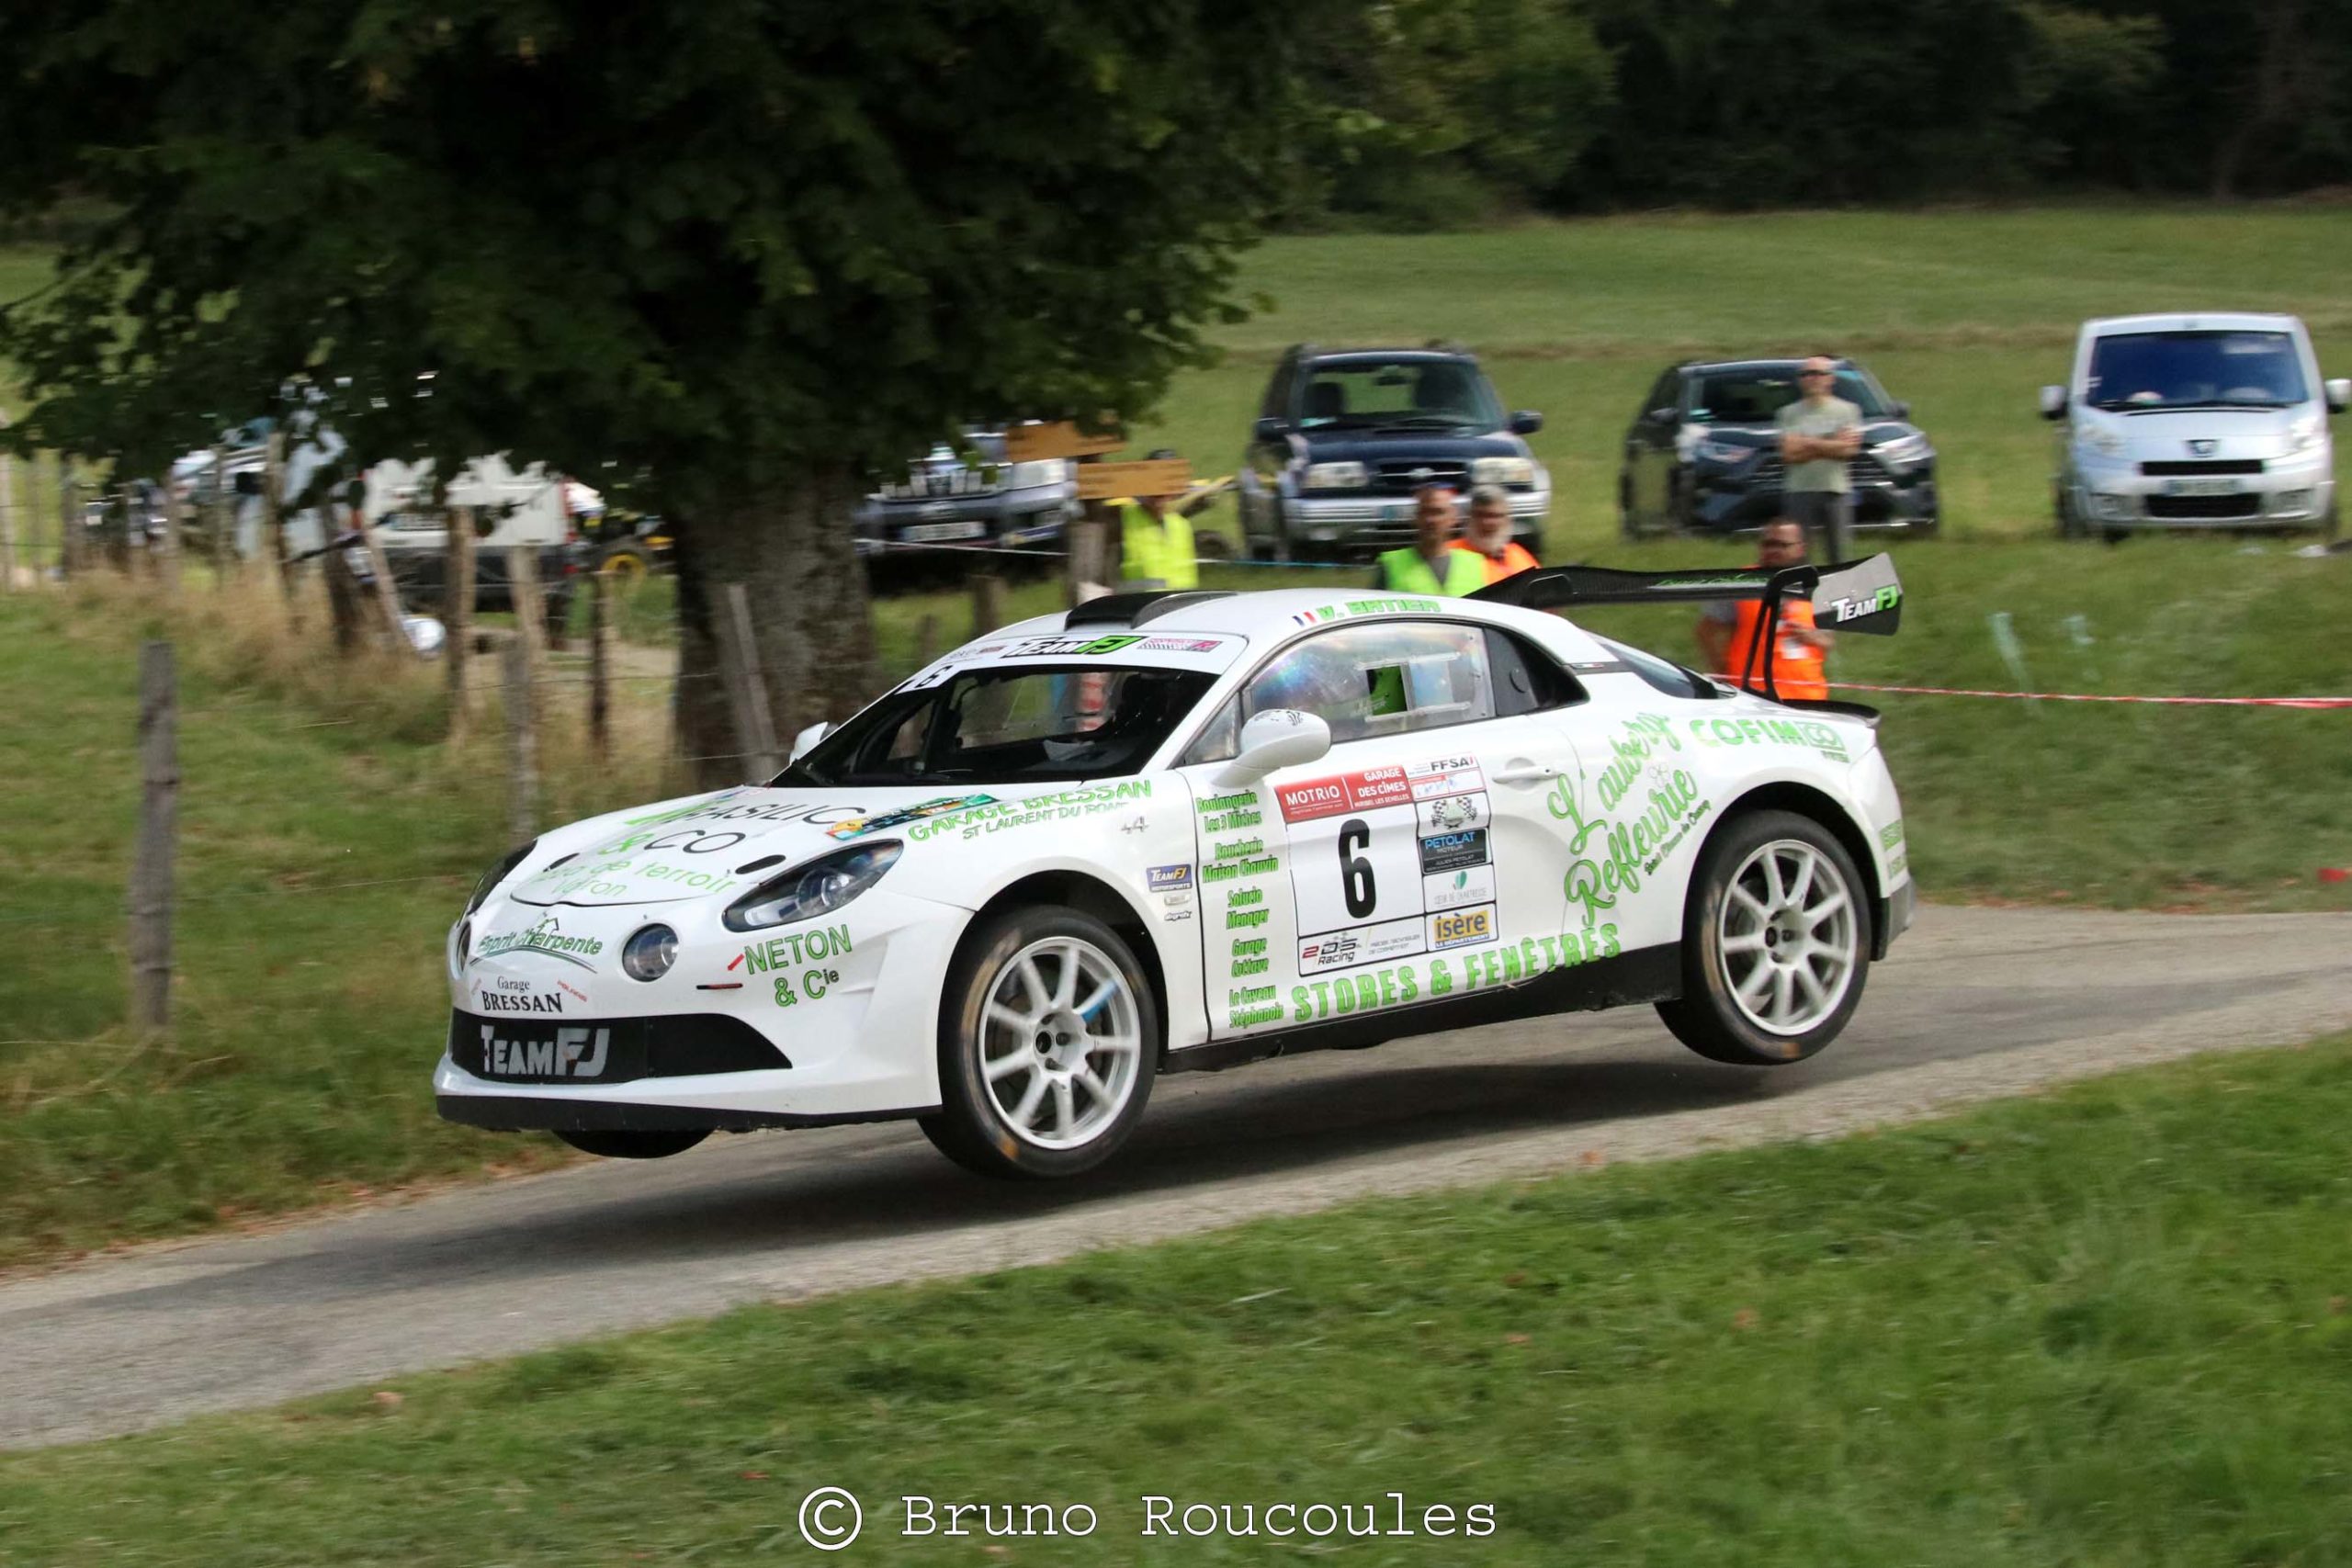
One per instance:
(789,545)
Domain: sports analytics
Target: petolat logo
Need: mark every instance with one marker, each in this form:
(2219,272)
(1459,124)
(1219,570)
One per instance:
(546,937)
(574,1052)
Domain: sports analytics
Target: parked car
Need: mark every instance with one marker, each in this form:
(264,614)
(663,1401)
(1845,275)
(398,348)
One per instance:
(2214,420)
(967,495)
(1166,831)
(1343,439)
(1702,454)
(509,509)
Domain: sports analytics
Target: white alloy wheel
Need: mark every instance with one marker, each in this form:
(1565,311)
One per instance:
(1061,1043)
(1788,937)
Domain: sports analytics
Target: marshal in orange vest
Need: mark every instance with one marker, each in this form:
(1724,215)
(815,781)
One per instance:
(1798,668)
(1515,560)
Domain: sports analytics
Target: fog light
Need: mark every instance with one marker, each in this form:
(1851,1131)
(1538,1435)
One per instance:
(2118,508)
(650,954)
(2289,502)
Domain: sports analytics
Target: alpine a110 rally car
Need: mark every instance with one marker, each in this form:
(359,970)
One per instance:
(1172,831)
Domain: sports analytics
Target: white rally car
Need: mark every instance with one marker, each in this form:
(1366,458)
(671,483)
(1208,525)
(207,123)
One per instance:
(1177,830)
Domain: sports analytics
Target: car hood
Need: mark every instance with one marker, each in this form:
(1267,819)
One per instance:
(1875,432)
(2164,434)
(724,844)
(1362,447)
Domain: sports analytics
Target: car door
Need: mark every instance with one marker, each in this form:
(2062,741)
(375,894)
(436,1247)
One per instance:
(1418,859)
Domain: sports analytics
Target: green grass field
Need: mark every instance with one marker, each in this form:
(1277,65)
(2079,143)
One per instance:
(2104,1326)
(309,1012)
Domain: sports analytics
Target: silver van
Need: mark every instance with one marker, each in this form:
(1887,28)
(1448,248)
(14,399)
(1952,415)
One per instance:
(2214,420)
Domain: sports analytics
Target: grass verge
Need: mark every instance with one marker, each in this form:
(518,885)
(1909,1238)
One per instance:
(2108,1326)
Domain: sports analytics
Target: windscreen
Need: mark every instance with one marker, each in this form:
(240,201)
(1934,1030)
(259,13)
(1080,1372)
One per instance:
(1401,394)
(1755,396)
(2173,370)
(1033,724)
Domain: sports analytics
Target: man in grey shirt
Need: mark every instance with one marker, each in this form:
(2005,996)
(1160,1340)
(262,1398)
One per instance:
(1820,433)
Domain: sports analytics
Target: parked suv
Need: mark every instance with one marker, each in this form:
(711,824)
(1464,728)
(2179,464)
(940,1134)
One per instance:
(969,495)
(2194,421)
(1703,452)
(1343,441)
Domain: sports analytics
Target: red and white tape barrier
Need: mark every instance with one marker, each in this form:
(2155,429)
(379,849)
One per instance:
(2089,697)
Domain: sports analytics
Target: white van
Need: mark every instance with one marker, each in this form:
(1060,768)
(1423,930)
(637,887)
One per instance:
(510,508)
(2213,420)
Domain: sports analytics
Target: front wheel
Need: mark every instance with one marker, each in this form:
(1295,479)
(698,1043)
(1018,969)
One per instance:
(1048,1040)
(1776,943)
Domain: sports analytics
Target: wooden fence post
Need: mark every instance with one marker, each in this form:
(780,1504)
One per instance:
(151,869)
(273,517)
(522,767)
(458,612)
(987,603)
(530,608)
(927,640)
(69,517)
(600,698)
(8,516)
(167,555)
(220,532)
(747,687)
(388,595)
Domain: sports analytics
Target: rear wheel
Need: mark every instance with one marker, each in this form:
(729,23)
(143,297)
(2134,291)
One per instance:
(616,1144)
(626,561)
(1776,941)
(1048,1040)
(1629,521)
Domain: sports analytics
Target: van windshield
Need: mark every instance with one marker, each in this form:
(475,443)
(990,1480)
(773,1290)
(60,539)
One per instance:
(2175,371)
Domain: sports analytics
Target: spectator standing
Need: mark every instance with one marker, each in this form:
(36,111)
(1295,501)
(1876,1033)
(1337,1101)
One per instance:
(1727,632)
(1820,434)
(1430,564)
(1156,547)
(1488,536)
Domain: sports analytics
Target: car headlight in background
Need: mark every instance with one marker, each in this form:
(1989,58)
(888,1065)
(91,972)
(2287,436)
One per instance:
(2105,443)
(1335,475)
(817,888)
(1039,471)
(1903,451)
(1502,470)
(461,942)
(1727,453)
(496,874)
(2303,437)
(649,953)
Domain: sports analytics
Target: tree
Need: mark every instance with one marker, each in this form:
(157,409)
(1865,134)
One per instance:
(728,256)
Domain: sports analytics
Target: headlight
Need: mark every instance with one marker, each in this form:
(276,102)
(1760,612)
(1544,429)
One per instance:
(461,942)
(649,953)
(1334,476)
(496,874)
(2105,443)
(817,888)
(1502,471)
(1903,451)
(2303,437)
(1727,453)
(1030,475)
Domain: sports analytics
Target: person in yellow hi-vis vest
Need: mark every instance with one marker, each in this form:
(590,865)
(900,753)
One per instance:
(1156,542)
(1430,564)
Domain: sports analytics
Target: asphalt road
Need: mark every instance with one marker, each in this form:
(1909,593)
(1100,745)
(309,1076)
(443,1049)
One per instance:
(1976,1003)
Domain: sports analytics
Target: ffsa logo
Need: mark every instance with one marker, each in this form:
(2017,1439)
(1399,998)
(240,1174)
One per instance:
(573,1052)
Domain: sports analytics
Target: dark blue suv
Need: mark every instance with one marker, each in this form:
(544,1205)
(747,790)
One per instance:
(1343,439)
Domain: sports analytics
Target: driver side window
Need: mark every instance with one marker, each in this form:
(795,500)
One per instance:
(1382,678)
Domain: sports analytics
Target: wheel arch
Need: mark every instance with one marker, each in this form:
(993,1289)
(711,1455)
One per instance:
(1819,806)
(1089,895)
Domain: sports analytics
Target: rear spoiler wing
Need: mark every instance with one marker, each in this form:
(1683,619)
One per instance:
(1851,596)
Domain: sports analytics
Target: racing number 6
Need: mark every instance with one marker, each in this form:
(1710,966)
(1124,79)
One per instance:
(1355,871)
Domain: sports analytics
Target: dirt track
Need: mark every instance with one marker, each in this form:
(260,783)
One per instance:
(1976,1003)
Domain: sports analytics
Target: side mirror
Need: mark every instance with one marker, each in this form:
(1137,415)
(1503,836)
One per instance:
(2339,395)
(1902,409)
(1526,421)
(806,742)
(2053,402)
(1269,429)
(1278,738)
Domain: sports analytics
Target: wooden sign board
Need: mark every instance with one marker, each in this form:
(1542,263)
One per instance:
(1028,442)
(1101,481)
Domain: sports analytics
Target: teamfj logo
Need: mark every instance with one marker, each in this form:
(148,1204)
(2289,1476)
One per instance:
(573,1053)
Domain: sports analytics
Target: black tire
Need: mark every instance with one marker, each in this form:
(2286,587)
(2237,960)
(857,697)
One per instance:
(1709,1017)
(973,1127)
(2070,525)
(626,560)
(1629,521)
(616,1144)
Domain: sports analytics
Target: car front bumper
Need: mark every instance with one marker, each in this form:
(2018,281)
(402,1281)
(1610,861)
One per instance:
(2121,498)
(1727,504)
(1001,519)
